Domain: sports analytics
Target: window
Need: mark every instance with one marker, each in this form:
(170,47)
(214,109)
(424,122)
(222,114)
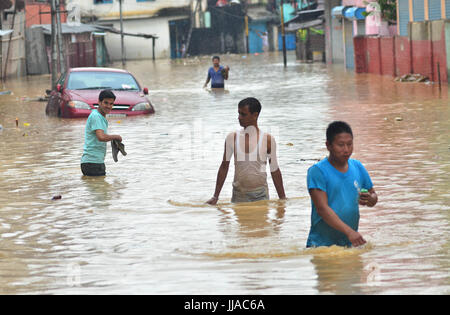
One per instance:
(99,80)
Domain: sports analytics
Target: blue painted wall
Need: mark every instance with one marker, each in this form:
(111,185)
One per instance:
(434,9)
(403,9)
(290,41)
(418,10)
(254,41)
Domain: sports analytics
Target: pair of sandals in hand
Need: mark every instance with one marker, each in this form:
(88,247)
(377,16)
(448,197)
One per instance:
(117,147)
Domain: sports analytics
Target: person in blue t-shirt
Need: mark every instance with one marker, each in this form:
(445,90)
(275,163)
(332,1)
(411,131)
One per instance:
(95,138)
(217,74)
(337,186)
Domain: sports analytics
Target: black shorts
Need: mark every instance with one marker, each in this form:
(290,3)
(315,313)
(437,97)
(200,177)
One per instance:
(93,169)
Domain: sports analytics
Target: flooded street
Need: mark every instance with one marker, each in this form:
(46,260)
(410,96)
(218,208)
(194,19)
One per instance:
(145,227)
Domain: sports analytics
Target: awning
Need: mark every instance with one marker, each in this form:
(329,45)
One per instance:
(292,27)
(89,28)
(305,16)
(355,13)
(339,12)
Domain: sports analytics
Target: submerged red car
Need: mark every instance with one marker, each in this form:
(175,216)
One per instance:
(77,91)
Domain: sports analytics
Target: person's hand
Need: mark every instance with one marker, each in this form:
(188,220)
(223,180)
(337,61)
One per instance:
(367,199)
(118,138)
(212,201)
(356,238)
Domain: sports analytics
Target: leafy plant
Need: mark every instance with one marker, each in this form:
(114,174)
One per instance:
(387,9)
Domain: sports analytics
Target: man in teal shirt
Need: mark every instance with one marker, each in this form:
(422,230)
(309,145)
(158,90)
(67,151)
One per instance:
(337,184)
(96,137)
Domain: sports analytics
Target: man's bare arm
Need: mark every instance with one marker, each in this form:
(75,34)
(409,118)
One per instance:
(274,168)
(223,169)
(221,177)
(278,182)
(103,137)
(320,200)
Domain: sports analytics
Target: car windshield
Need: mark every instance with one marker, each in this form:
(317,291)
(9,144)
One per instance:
(100,80)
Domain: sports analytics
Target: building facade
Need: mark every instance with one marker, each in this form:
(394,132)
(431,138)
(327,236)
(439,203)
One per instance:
(416,40)
(164,19)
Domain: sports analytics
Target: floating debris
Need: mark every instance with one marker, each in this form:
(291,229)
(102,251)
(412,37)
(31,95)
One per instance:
(398,118)
(56,197)
(412,78)
(308,160)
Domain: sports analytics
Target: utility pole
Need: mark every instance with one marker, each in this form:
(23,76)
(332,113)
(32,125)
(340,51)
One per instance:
(62,59)
(188,41)
(54,45)
(121,33)
(1,51)
(246,32)
(283,37)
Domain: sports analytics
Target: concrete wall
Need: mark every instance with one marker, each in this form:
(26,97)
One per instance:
(421,48)
(138,17)
(334,46)
(388,58)
(34,14)
(138,47)
(36,53)
(403,63)
(16,43)
(130,8)
(424,52)
(447,45)
(349,54)
(438,47)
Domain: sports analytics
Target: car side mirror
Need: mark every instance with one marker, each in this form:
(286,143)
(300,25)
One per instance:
(145,91)
(59,87)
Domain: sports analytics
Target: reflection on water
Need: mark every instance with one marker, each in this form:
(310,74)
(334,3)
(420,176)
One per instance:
(145,227)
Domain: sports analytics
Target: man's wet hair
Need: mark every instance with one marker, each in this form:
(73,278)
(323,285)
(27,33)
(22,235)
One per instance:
(254,106)
(337,127)
(106,94)
(216,57)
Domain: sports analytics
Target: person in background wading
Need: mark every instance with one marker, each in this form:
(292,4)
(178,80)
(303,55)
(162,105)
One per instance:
(217,74)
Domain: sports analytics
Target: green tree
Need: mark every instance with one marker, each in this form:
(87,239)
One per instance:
(387,8)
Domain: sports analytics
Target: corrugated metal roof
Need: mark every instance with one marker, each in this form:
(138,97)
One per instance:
(261,14)
(318,23)
(67,29)
(5,32)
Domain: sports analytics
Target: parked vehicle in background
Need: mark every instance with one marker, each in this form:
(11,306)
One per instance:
(77,90)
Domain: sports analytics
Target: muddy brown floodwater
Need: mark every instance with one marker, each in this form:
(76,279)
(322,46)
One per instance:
(145,228)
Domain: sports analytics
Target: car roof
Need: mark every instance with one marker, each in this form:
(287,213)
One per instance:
(98,69)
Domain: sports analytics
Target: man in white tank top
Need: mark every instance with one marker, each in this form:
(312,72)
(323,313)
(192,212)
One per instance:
(251,149)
